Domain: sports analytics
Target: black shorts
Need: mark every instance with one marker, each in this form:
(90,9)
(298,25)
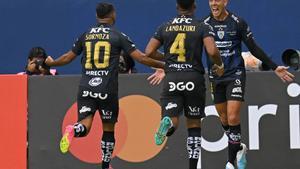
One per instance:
(89,102)
(223,91)
(183,92)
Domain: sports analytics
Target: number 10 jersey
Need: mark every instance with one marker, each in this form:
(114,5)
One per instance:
(100,47)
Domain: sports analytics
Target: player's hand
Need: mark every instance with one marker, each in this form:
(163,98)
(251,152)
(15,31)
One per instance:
(157,77)
(49,60)
(283,74)
(218,70)
(31,67)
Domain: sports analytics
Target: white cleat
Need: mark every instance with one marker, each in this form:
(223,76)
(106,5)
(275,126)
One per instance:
(241,160)
(229,166)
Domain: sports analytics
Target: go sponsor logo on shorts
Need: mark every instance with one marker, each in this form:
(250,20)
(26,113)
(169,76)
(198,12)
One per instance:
(94,95)
(181,86)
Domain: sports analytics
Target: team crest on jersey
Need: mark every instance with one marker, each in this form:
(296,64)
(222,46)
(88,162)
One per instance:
(96,81)
(221,34)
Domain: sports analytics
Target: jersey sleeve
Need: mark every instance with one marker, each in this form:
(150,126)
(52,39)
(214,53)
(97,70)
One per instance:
(78,45)
(127,45)
(245,31)
(159,34)
(206,30)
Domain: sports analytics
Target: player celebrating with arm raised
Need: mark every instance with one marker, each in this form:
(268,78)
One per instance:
(184,89)
(98,90)
(228,90)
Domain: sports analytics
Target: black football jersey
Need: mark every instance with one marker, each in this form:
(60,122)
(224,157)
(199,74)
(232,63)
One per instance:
(229,35)
(182,40)
(101,47)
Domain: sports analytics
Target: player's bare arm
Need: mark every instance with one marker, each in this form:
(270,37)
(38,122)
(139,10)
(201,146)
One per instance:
(214,55)
(151,49)
(62,60)
(142,58)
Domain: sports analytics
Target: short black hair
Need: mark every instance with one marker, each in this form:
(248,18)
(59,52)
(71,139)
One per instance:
(37,52)
(103,9)
(185,4)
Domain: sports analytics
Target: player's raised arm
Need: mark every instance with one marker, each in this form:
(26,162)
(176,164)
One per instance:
(62,60)
(247,37)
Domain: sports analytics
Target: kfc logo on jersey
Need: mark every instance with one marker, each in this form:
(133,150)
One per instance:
(181,20)
(84,109)
(171,106)
(181,86)
(100,29)
(96,81)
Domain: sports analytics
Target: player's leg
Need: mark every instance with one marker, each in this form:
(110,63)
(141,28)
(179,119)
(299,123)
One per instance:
(109,111)
(194,105)
(193,142)
(107,143)
(218,91)
(171,109)
(234,134)
(86,109)
(235,96)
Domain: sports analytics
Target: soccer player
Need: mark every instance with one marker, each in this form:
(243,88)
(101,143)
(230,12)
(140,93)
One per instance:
(98,90)
(228,90)
(184,89)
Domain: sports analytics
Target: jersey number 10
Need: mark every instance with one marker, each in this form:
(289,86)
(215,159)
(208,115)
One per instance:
(178,47)
(96,55)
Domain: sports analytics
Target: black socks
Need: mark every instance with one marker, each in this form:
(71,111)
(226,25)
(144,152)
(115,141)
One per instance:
(107,147)
(194,146)
(234,142)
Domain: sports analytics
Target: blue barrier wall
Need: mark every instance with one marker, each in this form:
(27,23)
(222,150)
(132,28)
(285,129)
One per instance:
(55,24)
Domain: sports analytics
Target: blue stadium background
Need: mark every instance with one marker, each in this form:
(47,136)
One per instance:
(55,24)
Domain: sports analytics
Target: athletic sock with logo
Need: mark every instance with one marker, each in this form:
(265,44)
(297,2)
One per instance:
(226,129)
(79,130)
(170,131)
(107,147)
(194,146)
(234,142)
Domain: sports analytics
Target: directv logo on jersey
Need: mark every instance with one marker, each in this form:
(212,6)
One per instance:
(96,81)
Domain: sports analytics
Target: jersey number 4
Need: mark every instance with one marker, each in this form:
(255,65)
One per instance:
(96,57)
(178,47)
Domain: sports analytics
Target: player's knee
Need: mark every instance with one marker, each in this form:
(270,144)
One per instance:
(224,120)
(233,119)
(193,123)
(109,127)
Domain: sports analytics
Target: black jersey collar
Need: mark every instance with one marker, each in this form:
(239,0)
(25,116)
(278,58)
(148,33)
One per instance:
(186,16)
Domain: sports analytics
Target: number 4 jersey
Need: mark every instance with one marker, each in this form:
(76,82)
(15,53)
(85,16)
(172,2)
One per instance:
(182,38)
(101,47)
